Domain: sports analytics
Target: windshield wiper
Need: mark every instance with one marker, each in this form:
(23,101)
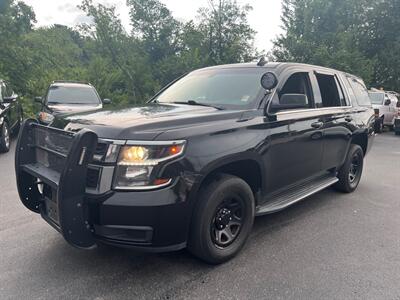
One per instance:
(193,102)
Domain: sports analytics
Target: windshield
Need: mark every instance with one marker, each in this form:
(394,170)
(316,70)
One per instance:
(377,98)
(229,88)
(72,95)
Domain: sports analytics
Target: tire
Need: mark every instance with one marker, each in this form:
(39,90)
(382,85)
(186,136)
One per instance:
(350,173)
(226,205)
(379,126)
(4,138)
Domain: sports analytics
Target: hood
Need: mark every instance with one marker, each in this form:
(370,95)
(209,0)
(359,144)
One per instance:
(63,109)
(143,122)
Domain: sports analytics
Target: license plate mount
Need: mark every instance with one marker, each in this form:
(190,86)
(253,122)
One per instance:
(52,210)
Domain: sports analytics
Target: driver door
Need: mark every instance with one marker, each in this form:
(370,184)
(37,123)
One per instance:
(296,143)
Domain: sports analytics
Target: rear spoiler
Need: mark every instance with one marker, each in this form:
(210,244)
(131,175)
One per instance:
(57,161)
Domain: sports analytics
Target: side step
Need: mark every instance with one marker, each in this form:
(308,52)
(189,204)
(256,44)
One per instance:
(295,193)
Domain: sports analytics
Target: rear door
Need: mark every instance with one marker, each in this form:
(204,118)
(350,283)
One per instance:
(5,105)
(336,115)
(13,106)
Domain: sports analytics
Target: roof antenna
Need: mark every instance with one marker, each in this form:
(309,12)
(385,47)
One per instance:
(262,62)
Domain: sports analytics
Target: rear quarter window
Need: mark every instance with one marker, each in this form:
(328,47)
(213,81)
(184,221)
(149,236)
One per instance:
(359,90)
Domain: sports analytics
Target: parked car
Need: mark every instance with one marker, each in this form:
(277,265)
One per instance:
(11,115)
(196,164)
(66,97)
(386,109)
(396,126)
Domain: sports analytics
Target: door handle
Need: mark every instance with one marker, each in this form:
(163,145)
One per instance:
(317,125)
(348,118)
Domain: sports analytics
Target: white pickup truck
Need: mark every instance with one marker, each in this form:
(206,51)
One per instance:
(386,106)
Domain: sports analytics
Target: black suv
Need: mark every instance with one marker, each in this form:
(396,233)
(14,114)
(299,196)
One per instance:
(11,115)
(66,97)
(196,164)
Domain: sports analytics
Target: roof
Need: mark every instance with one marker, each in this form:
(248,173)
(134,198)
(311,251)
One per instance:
(70,83)
(278,66)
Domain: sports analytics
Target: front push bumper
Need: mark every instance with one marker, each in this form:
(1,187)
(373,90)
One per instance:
(51,168)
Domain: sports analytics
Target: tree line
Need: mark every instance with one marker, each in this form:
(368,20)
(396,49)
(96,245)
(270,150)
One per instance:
(127,67)
(358,36)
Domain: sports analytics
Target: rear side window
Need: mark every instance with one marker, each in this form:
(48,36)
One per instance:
(331,91)
(360,92)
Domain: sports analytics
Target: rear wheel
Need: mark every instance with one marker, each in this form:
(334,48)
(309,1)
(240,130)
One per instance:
(350,173)
(222,220)
(4,138)
(379,126)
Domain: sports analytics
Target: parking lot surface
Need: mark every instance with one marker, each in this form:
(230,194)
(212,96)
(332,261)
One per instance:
(329,246)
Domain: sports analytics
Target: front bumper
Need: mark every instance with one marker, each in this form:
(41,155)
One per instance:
(58,161)
(147,220)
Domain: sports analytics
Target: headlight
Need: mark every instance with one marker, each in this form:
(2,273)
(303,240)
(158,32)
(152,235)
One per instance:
(46,117)
(137,163)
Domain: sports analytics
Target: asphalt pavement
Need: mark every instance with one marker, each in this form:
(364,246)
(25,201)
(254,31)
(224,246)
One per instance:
(329,246)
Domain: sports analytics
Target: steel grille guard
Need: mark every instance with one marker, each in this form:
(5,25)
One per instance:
(67,181)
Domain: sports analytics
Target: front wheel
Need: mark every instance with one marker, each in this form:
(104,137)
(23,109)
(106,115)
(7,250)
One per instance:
(350,173)
(4,138)
(222,220)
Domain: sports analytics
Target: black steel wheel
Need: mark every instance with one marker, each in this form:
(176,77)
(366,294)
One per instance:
(223,218)
(5,138)
(227,223)
(350,173)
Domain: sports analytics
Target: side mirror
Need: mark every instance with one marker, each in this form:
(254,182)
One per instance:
(38,99)
(398,104)
(387,102)
(10,99)
(291,101)
(107,101)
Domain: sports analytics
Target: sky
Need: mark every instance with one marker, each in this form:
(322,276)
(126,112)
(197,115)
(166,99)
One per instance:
(264,18)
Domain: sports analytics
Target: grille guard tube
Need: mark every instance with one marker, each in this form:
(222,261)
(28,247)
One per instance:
(67,181)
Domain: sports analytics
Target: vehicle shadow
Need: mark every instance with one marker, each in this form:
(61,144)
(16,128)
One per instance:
(123,273)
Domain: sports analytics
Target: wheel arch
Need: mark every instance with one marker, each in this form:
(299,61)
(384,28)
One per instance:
(361,139)
(248,167)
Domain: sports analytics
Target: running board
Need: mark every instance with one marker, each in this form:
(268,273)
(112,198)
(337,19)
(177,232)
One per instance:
(295,193)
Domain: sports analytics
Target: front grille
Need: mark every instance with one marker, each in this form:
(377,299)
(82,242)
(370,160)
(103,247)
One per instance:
(52,147)
(100,151)
(92,178)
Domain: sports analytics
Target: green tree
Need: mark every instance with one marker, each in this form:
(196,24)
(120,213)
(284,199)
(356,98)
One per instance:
(325,32)
(16,19)
(226,34)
